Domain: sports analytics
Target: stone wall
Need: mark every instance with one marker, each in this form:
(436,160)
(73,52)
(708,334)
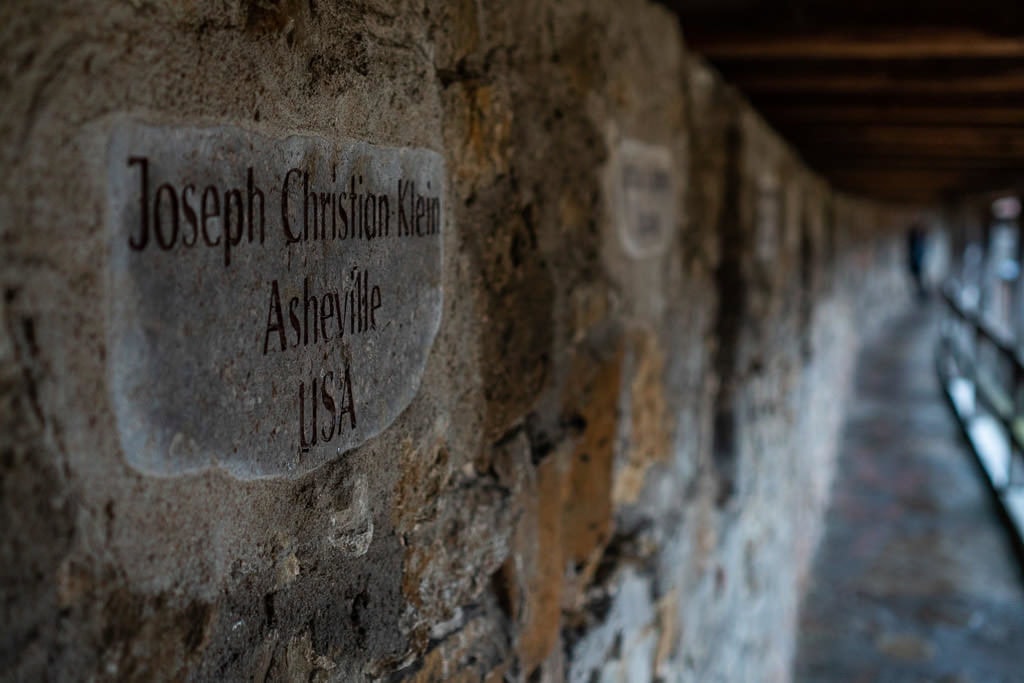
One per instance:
(617,459)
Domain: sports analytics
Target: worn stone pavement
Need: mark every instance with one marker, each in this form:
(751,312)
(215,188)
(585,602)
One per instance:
(915,579)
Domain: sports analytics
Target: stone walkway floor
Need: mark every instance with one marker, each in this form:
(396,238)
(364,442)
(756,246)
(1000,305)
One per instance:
(915,580)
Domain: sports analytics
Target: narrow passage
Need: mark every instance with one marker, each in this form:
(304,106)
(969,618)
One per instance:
(915,580)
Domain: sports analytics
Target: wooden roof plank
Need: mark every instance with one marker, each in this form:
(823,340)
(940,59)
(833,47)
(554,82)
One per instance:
(852,44)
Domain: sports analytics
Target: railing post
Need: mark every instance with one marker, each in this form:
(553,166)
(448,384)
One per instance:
(1017,306)
(1018,376)
(985,270)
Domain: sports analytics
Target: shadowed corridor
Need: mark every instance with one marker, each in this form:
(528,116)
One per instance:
(915,579)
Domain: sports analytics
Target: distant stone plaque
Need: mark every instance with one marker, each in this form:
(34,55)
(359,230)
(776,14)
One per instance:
(272,301)
(647,198)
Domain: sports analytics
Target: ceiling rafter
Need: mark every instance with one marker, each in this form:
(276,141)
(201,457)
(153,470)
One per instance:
(887,99)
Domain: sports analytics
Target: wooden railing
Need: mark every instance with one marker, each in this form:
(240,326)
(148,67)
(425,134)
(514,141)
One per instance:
(974,349)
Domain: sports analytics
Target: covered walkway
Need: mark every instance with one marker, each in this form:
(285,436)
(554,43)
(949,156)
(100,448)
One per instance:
(915,579)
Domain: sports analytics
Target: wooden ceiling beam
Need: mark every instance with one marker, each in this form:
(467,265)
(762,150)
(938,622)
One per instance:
(910,44)
(968,137)
(907,113)
(894,100)
(889,162)
(817,153)
(928,69)
(861,19)
(879,84)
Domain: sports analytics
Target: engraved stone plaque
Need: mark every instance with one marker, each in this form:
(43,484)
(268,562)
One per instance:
(271,301)
(647,198)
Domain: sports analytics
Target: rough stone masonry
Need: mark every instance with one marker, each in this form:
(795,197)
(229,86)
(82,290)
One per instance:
(408,341)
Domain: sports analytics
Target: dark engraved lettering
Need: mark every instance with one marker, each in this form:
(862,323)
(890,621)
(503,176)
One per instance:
(352,212)
(341,315)
(647,224)
(334,216)
(325,202)
(306,303)
(254,194)
(294,319)
(433,213)
(306,205)
(339,307)
(232,239)
(660,181)
(343,232)
(328,401)
(290,237)
(645,203)
(140,243)
(403,220)
(275,320)
(190,216)
(326,313)
(354,306)
(357,300)
(351,303)
(370,215)
(418,214)
(331,387)
(161,239)
(364,301)
(374,305)
(210,209)
(348,403)
(384,209)
(304,443)
(421,211)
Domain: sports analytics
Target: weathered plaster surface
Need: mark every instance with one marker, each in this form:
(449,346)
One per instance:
(616,460)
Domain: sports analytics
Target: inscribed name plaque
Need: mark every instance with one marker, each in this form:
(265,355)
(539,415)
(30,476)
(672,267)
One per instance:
(272,301)
(646,198)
